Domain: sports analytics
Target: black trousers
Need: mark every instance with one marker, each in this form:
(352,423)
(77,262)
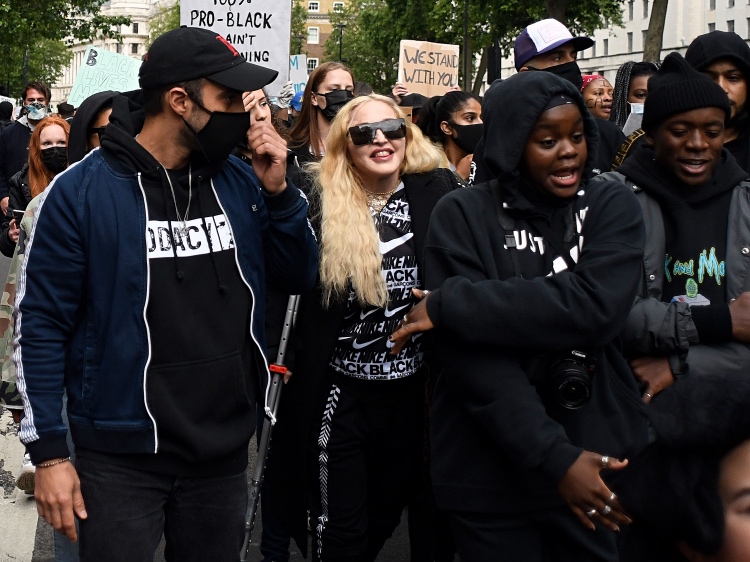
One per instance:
(552,535)
(367,452)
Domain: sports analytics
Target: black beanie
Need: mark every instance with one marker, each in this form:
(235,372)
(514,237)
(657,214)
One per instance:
(676,88)
(708,48)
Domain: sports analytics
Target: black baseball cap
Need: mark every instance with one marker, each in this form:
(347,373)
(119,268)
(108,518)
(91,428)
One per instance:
(189,53)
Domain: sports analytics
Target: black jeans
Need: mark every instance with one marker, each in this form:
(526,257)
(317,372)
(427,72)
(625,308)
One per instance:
(367,454)
(552,535)
(201,518)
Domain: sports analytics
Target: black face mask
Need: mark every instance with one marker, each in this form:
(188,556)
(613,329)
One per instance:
(570,71)
(55,159)
(221,134)
(334,102)
(467,136)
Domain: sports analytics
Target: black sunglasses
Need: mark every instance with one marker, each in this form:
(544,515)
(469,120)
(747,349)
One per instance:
(97,131)
(366,132)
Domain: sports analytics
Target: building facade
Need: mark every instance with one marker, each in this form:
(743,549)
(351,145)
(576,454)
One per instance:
(133,42)
(686,19)
(318,29)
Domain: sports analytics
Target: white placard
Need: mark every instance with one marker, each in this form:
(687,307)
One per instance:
(103,70)
(298,72)
(258,29)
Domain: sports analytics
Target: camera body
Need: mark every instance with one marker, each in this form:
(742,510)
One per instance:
(564,377)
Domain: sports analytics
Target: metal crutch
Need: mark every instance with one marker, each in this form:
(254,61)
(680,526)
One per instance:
(274,394)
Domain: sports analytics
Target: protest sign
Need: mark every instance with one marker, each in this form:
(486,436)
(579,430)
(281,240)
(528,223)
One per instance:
(103,70)
(298,72)
(258,29)
(430,69)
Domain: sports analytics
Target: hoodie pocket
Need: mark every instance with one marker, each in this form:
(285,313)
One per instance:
(202,408)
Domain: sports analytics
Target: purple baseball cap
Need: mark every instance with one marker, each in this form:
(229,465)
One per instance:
(543,36)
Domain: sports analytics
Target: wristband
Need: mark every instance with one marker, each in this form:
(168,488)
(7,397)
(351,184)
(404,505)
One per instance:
(52,463)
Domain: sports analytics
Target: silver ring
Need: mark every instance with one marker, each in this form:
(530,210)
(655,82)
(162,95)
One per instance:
(425,292)
(404,320)
(591,513)
(605,461)
(648,394)
(607,510)
(612,498)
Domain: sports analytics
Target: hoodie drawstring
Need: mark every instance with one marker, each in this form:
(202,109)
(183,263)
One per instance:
(222,287)
(178,272)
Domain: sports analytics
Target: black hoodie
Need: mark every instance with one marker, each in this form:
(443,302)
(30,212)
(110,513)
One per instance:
(695,229)
(84,118)
(198,312)
(499,443)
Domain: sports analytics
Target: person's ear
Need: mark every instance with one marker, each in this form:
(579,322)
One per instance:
(446,128)
(314,99)
(177,100)
(524,69)
(692,555)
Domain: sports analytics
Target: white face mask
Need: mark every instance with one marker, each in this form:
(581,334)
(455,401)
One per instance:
(636,108)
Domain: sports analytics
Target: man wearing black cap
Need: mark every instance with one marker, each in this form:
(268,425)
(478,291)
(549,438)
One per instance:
(141,297)
(692,318)
(724,57)
(549,46)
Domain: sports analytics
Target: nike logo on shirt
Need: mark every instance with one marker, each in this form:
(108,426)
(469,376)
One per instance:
(357,345)
(389,313)
(386,247)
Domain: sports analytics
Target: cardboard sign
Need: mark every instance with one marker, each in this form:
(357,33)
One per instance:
(430,69)
(258,29)
(298,72)
(103,70)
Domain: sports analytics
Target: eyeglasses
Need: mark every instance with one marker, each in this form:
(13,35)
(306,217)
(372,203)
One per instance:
(97,131)
(366,132)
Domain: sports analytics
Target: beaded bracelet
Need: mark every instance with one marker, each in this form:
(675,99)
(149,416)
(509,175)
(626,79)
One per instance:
(52,463)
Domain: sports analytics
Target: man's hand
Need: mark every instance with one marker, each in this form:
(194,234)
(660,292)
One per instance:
(655,373)
(4,205)
(269,156)
(739,310)
(415,321)
(588,496)
(57,491)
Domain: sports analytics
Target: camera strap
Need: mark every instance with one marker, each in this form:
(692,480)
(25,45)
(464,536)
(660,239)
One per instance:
(507,224)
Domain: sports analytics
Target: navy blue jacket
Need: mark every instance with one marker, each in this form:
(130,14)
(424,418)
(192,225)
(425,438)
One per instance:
(84,288)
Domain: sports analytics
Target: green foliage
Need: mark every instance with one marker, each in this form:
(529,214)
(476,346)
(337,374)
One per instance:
(45,63)
(299,17)
(38,28)
(167,19)
(375,27)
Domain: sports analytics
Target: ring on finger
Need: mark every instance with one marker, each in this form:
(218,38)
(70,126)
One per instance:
(591,513)
(612,498)
(607,510)
(605,461)
(648,394)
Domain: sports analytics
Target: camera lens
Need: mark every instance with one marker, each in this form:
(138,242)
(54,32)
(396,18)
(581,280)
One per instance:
(572,383)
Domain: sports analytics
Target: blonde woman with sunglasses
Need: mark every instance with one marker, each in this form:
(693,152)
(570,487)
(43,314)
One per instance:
(374,192)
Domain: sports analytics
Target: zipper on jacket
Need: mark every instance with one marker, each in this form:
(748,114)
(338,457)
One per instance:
(252,295)
(145,321)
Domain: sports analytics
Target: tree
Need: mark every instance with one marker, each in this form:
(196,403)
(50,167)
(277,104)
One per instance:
(371,46)
(655,34)
(166,19)
(45,62)
(297,35)
(29,27)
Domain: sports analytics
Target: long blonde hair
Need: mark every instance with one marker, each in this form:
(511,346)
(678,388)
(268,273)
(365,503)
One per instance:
(350,253)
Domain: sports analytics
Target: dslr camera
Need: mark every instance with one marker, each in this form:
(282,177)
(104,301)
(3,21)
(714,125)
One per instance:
(564,377)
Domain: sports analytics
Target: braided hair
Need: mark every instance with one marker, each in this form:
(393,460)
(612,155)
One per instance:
(625,75)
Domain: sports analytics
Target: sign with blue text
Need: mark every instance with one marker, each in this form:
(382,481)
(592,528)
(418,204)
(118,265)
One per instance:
(258,29)
(298,72)
(103,70)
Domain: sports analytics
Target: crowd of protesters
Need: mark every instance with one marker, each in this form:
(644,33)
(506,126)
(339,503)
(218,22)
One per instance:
(523,319)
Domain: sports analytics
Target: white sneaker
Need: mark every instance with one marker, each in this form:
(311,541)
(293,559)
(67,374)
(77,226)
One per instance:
(25,480)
